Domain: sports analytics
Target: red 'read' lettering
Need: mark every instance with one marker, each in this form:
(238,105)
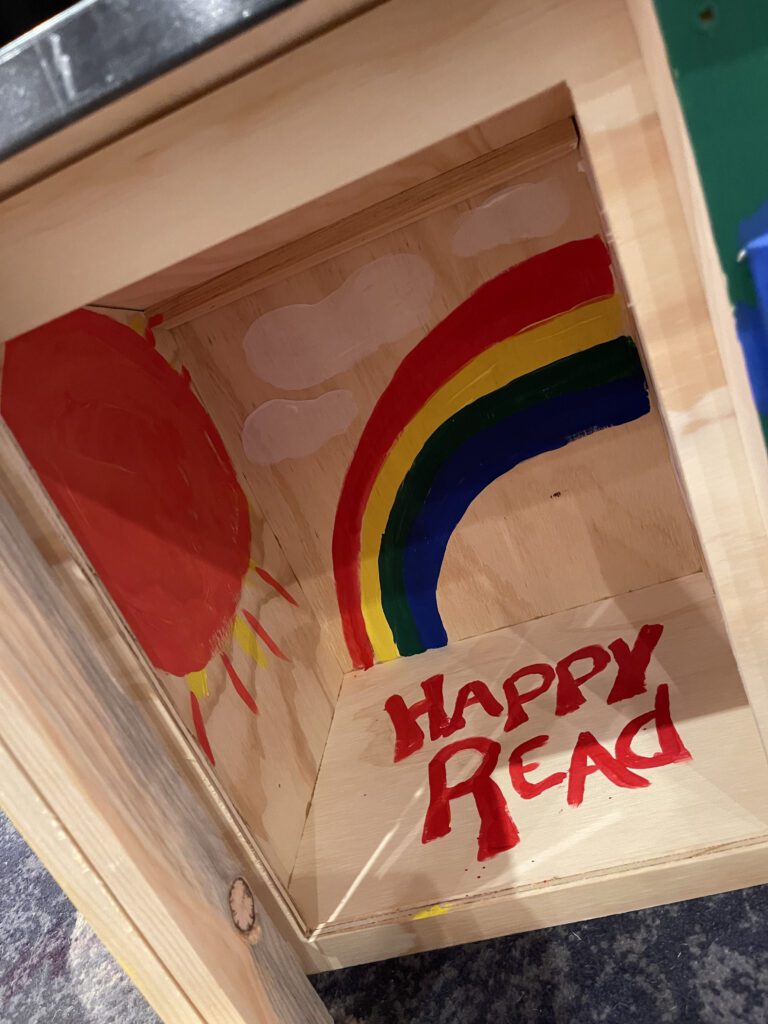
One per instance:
(516,714)
(588,748)
(671,747)
(518,770)
(475,692)
(498,831)
(633,663)
(569,697)
(409,736)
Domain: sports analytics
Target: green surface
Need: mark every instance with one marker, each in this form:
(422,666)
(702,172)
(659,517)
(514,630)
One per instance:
(719,56)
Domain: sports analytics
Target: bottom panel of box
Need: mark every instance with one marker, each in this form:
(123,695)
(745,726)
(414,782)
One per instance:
(573,753)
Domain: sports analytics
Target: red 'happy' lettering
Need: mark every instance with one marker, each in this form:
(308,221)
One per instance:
(633,663)
(516,714)
(569,695)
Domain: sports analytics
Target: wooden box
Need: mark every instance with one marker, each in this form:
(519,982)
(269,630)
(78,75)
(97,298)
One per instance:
(384,551)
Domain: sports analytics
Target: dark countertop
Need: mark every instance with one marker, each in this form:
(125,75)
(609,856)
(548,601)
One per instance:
(98,50)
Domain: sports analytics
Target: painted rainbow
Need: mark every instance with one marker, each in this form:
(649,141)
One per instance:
(531,361)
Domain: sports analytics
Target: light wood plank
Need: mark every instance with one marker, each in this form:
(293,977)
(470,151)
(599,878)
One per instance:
(362,854)
(441,157)
(282,31)
(646,221)
(53,845)
(227,163)
(581,899)
(494,168)
(119,809)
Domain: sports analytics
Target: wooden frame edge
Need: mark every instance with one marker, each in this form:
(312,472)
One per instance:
(81,584)
(49,839)
(646,885)
(492,168)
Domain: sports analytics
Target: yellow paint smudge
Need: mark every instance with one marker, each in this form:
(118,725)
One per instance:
(138,323)
(436,911)
(246,638)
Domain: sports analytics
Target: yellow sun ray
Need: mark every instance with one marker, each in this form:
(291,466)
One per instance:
(198,682)
(138,323)
(248,642)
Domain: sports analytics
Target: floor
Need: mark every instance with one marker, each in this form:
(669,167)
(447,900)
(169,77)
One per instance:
(703,962)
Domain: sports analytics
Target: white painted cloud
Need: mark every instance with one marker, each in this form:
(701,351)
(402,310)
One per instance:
(282,429)
(299,346)
(530,210)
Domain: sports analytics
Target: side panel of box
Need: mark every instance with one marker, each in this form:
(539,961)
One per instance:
(108,792)
(119,438)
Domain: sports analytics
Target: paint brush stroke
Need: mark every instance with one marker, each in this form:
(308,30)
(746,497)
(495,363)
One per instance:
(283,429)
(300,346)
(530,210)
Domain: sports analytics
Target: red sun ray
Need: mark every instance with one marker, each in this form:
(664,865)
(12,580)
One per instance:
(239,685)
(275,584)
(202,735)
(262,634)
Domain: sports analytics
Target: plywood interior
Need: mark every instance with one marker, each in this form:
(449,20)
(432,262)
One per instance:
(290,355)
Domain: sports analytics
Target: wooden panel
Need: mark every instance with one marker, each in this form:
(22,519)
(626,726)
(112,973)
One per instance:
(157,197)
(557,902)
(226,163)
(104,787)
(161,291)
(600,516)
(647,225)
(221,617)
(164,183)
(364,854)
(493,168)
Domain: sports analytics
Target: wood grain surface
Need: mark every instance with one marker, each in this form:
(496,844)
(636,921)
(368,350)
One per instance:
(100,784)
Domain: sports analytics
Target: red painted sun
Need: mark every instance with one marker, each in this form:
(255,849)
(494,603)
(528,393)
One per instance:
(139,471)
